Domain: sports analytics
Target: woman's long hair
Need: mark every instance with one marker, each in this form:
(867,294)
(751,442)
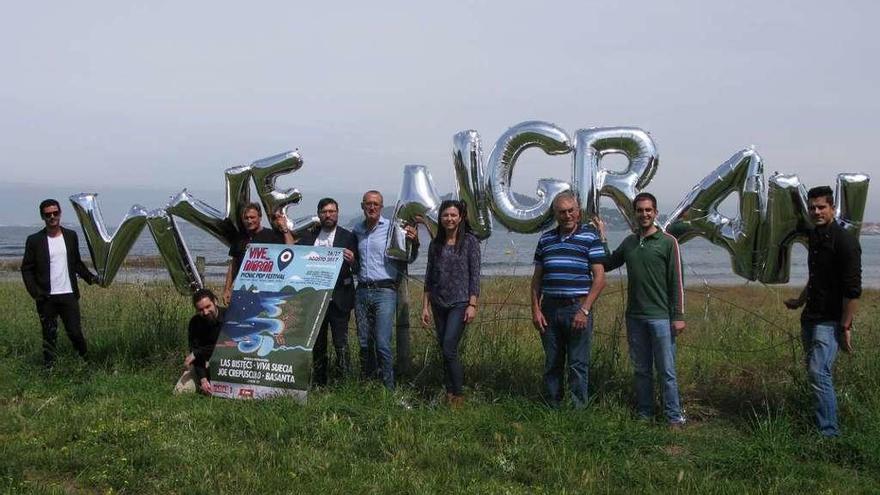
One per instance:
(463,228)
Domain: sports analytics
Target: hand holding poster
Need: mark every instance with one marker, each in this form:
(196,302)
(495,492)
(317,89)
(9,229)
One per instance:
(278,302)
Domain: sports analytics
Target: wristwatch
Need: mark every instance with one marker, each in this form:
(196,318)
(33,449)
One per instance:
(586,312)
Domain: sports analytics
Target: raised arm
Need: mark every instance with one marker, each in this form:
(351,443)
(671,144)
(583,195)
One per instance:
(616,259)
(412,235)
(81,269)
(279,218)
(613,260)
(230,277)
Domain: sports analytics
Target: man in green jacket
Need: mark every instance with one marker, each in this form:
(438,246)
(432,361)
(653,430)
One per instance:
(654,308)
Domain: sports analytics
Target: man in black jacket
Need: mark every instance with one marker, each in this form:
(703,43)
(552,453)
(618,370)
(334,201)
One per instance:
(329,234)
(251,219)
(829,299)
(49,269)
(204,328)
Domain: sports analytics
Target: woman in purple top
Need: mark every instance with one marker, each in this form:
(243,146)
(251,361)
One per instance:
(452,286)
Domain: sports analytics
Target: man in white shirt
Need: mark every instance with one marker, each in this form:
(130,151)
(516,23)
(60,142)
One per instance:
(49,269)
(329,234)
(378,282)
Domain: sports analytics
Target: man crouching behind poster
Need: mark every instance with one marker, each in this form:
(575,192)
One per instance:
(204,327)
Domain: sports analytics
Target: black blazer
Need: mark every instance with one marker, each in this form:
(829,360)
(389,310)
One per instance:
(35,265)
(343,294)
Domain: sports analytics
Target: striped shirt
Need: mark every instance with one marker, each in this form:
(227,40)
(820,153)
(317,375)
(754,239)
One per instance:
(566,261)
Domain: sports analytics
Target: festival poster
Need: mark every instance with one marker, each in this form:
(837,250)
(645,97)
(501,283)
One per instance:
(279,299)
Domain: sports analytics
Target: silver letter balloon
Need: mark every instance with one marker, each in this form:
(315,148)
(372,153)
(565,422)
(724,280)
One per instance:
(772,212)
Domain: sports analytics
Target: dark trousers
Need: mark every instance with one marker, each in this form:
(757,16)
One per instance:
(337,320)
(449,322)
(67,307)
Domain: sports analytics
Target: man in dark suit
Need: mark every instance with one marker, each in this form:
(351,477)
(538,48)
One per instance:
(329,234)
(49,269)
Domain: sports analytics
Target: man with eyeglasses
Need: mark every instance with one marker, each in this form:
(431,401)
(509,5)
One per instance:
(329,234)
(49,269)
(569,276)
(376,295)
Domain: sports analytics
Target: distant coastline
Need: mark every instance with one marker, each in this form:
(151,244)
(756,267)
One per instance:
(504,254)
(870,228)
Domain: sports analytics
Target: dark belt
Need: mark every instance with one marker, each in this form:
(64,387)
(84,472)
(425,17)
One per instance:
(378,284)
(561,301)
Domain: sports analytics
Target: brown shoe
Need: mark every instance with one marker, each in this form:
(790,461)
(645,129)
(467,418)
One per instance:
(457,401)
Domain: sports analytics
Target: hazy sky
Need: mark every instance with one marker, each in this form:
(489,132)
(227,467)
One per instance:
(111,96)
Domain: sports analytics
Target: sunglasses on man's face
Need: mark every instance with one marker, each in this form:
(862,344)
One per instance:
(50,214)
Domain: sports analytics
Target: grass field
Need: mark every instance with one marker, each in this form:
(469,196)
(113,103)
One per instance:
(113,426)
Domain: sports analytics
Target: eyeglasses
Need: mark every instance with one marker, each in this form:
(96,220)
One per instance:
(50,214)
(328,212)
(373,204)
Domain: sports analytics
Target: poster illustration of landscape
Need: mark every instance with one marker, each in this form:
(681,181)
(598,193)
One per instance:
(279,299)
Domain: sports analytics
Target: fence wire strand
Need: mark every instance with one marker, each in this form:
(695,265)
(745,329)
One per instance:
(708,292)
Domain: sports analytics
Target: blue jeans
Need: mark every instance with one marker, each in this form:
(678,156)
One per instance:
(450,328)
(820,346)
(374,313)
(652,345)
(560,339)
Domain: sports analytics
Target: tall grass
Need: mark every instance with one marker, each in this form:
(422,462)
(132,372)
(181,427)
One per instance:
(112,425)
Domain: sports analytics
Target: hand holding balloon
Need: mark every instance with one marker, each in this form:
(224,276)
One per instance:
(279,218)
(348,255)
(600,226)
(412,234)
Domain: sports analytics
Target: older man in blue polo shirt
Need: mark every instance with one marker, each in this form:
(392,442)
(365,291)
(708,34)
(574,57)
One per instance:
(376,295)
(569,275)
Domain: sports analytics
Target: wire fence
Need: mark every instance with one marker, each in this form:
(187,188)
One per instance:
(791,337)
(500,312)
